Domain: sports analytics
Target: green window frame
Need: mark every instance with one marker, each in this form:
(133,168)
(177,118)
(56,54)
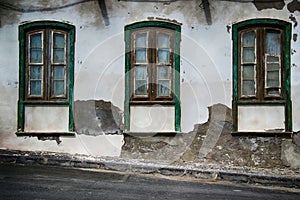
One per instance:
(261,76)
(152,47)
(46,66)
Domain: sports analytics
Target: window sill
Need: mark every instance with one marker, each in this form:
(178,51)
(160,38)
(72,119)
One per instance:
(152,102)
(39,134)
(46,102)
(286,134)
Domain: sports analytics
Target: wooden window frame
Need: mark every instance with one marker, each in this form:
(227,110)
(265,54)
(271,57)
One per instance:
(260,65)
(47,65)
(151,66)
(285,98)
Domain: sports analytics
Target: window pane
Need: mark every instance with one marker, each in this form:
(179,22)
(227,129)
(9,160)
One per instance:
(163,56)
(141,56)
(163,41)
(248,55)
(273,43)
(35,48)
(36,40)
(272,59)
(141,40)
(140,73)
(248,87)
(272,91)
(163,88)
(58,55)
(273,79)
(273,66)
(248,39)
(35,72)
(58,48)
(35,87)
(58,87)
(58,40)
(248,72)
(163,72)
(141,87)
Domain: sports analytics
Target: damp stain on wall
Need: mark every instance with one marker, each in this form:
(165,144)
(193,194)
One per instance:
(260,5)
(293,6)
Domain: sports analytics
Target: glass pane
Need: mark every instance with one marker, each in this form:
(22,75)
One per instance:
(163,88)
(163,72)
(58,87)
(141,40)
(140,73)
(249,39)
(35,55)
(163,41)
(35,87)
(163,56)
(272,59)
(141,87)
(273,66)
(248,88)
(36,40)
(58,55)
(248,55)
(273,43)
(35,72)
(141,55)
(58,73)
(272,91)
(273,79)
(248,72)
(58,40)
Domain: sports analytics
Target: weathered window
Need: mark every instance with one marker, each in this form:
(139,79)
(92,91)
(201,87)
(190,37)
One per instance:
(46,64)
(261,71)
(152,64)
(46,68)
(260,61)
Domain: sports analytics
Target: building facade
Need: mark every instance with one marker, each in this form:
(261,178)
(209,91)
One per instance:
(84,73)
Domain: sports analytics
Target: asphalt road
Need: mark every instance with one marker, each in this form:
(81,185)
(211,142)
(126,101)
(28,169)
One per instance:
(42,182)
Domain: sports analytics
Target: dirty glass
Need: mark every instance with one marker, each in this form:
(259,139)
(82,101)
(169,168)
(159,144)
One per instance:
(248,80)
(163,56)
(141,55)
(163,80)
(141,40)
(36,48)
(58,48)
(248,43)
(163,41)
(140,80)
(273,43)
(58,80)
(35,80)
(273,75)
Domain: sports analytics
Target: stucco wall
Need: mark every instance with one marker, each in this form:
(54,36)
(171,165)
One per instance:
(206,55)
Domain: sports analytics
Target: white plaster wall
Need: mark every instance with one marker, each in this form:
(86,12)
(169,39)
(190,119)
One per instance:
(155,118)
(261,118)
(46,118)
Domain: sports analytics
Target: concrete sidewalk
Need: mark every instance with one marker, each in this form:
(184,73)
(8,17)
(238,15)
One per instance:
(269,177)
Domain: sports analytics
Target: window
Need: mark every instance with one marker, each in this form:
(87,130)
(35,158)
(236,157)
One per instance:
(46,67)
(260,63)
(261,66)
(152,66)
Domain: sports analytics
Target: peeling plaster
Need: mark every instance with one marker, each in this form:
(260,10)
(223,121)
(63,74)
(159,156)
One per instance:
(268,4)
(293,19)
(293,6)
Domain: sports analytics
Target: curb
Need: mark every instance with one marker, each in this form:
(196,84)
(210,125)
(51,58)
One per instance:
(267,177)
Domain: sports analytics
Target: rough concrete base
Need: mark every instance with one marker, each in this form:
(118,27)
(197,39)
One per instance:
(274,177)
(290,154)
